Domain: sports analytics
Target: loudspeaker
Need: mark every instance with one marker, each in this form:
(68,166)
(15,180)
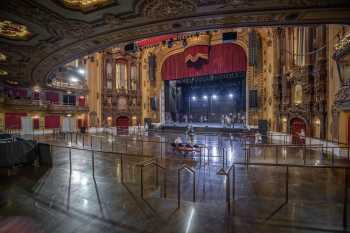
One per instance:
(263,129)
(152,67)
(148,122)
(130,47)
(229,36)
(153,103)
(253,98)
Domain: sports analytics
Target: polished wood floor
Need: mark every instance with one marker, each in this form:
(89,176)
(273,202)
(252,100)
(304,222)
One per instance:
(57,199)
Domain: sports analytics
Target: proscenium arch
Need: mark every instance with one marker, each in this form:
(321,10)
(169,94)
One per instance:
(41,64)
(240,43)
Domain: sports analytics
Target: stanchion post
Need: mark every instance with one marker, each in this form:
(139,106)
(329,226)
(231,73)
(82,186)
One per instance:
(164,180)
(178,189)
(141,175)
(101,146)
(121,168)
(233,181)
(93,162)
(345,205)
(287,184)
(228,191)
(70,160)
(194,186)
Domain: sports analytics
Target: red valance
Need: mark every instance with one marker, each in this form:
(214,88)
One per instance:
(223,58)
(52,122)
(192,54)
(154,40)
(13,120)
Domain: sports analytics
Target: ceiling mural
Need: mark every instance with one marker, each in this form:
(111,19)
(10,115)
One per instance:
(86,5)
(68,29)
(11,30)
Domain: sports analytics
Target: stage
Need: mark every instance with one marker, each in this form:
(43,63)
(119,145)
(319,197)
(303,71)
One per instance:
(207,127)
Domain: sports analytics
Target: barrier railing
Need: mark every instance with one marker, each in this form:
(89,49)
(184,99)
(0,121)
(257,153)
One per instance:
(287,168)
(157,166)
(193,172)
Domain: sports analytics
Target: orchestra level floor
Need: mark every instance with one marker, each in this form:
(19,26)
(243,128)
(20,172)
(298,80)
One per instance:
(60,200)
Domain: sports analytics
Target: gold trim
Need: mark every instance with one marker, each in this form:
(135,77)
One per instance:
(2,57)
(86,5)
(3,72)
(11,30)
(196,57)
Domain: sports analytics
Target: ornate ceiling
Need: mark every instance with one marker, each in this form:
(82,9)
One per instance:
(45,34)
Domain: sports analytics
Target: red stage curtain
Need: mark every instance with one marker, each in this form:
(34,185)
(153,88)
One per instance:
(223,58)
(192,54)
(36,123)
(52,97)
(52,122)
(13,120)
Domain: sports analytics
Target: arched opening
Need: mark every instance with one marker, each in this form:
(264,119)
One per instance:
(298,130)
(203,84)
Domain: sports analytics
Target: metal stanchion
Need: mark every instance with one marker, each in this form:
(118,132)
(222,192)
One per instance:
(121,168)
(345,205)
(101,144)
(112,144)
(83,140)
(228,191)
(90,141)
(141,175)
(287,184)
(93,162)
(233,181)
(178,188)
(164,181)
(70,160)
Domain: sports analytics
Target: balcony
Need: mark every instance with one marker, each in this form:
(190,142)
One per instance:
(66,108)
(39,105)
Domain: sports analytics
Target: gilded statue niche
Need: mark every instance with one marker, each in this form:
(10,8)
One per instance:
(3,72)
(86,5)
(298,94)
(11,30)
(2,57)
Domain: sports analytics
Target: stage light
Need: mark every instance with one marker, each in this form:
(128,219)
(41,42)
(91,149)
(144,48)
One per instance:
(81,71)
(205,97)
(214,97)
(230,95)
(74,79)
(194,98)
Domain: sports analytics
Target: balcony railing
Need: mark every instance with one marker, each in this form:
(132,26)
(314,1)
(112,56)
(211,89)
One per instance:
(40,105)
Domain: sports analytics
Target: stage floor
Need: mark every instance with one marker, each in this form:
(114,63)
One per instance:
(205,125)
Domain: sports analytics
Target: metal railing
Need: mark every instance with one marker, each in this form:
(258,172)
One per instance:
(287,168)
(157,166)
(193,172)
